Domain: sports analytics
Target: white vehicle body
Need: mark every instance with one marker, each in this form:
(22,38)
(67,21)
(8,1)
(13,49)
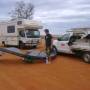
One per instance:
(19,31)
(80,46)
(62,45)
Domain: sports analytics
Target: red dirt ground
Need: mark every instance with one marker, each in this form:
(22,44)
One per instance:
(64,73)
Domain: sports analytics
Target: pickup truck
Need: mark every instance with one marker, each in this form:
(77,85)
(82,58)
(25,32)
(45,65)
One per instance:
(80,46)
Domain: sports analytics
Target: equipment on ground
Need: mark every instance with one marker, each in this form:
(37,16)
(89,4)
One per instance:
(30,55)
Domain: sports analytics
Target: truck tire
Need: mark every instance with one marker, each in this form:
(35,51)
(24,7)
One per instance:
(86,57)
(3,43)
(21,45)
(35,46)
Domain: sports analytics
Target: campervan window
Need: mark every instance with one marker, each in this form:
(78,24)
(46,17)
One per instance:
(32,33)
(19,22)
(22,33)
(11,29)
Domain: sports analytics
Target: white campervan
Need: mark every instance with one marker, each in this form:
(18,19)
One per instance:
(20,32)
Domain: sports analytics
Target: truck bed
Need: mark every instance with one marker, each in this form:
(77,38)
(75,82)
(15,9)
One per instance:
(82,44)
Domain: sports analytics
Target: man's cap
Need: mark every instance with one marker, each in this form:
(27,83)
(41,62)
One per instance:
(46,30)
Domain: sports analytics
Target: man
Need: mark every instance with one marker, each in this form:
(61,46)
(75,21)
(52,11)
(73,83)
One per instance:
(48,41)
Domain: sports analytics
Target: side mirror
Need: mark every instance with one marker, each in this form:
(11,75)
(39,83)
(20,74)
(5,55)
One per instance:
(59,39)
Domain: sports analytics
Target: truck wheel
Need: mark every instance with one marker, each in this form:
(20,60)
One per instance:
(35,46)
(3,43)
(86,57)
(21,45)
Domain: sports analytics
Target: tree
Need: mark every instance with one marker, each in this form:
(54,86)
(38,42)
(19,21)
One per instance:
(22,10)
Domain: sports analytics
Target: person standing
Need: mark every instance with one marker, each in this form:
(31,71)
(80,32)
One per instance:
(48,42)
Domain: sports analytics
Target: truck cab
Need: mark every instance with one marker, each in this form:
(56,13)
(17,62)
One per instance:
(29,37)
(61,44)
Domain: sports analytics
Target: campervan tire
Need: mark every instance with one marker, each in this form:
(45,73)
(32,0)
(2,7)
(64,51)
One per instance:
(3,43)
(35,46)
(21,45)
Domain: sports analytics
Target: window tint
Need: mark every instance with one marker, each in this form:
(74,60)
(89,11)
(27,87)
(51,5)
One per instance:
(11,29)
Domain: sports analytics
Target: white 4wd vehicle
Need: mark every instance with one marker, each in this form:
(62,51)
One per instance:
(80,46)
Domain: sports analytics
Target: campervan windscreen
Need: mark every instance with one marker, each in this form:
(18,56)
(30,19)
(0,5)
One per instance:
(32,33)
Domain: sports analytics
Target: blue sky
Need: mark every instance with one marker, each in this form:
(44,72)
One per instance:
(57,15)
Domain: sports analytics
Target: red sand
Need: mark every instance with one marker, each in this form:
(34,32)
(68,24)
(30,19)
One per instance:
(64,73)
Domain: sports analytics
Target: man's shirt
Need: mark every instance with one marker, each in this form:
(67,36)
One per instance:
(48,39)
